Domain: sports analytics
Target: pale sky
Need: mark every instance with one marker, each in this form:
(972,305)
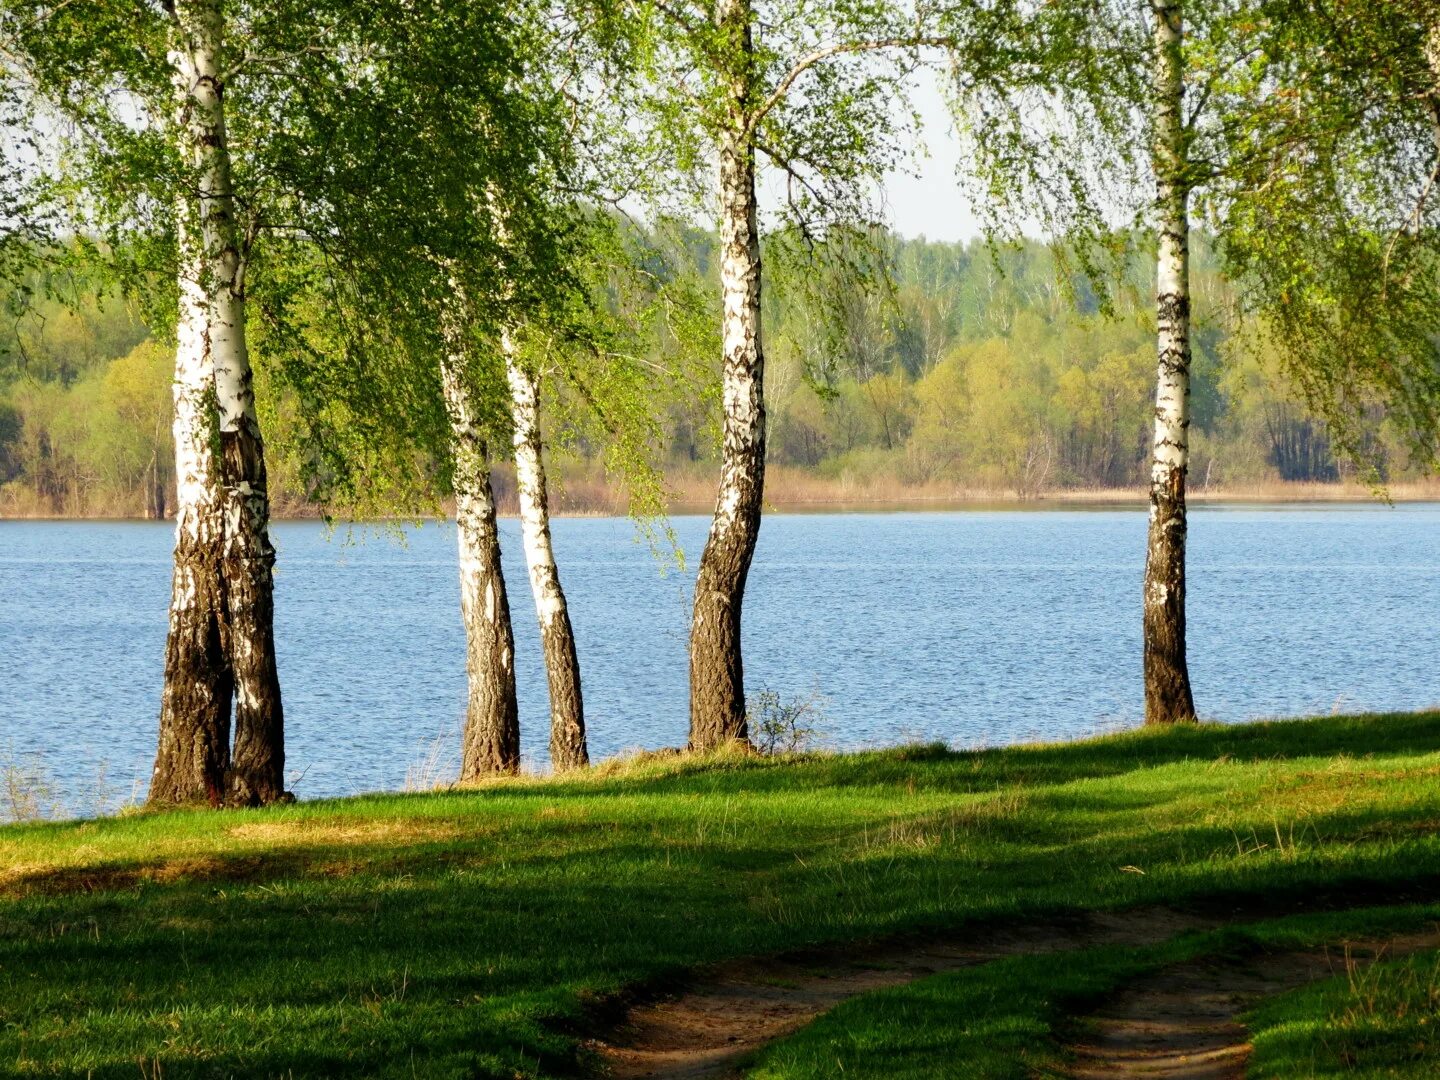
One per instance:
(931,204)
(925,199)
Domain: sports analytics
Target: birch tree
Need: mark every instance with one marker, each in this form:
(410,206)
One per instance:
(491,739)
(1168,697)
(102,74)
(568,748)
(1119,94)
(1312,128)
(474,228)
(809,91)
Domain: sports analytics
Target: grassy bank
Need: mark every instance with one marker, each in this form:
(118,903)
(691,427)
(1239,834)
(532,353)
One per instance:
(476,933)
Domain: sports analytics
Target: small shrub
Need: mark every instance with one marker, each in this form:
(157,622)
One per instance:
(784,726)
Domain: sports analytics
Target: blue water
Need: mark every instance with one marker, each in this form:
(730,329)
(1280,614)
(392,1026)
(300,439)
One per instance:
(972,627)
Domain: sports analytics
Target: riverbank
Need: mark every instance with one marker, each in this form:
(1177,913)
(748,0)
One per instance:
(497,931)
(588,493)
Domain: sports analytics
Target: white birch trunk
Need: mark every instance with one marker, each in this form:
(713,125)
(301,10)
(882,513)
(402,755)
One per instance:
(193,748)
(256,760)
(1167,680)
(490,744)
(717,678)
(557,635)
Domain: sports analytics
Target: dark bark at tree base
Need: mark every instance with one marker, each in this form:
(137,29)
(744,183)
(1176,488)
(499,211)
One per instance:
(193,751)
(1168,698)
(490,745)
(567,705)
(717,670)
(257,760)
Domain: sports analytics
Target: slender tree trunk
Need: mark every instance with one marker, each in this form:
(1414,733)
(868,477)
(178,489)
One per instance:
(557,637)
(490,744)
(154,490)
(1167,678)
(193,752)
(213,329)
(717,677)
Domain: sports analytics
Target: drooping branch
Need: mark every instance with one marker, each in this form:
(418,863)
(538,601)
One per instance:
(820,55)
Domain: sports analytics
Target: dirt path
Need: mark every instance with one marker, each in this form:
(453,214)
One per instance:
(1183,1022)
(1180,1023)
(733,1010)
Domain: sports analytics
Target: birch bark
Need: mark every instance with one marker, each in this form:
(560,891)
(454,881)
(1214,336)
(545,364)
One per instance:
(490,744)
(223,596)
(193,749)
(717,678)
(557,636)
(1167,679)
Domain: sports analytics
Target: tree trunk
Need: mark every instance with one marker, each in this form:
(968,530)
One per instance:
(154,490)
(235,479)
(557,637)
(1167,678)
(717,678)
(193,751)
(490,744)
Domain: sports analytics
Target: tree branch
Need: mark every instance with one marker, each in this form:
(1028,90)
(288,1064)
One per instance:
(809,60)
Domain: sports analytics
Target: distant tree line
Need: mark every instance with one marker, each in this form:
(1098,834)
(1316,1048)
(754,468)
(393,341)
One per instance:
(973,370)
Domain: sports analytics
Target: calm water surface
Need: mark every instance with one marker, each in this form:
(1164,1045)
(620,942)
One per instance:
(970,627)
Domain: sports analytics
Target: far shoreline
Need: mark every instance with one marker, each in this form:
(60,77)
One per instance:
(790,491)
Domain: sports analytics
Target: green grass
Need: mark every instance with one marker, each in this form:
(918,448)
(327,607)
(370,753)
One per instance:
(1373,1022)
(1007,1020)
(471,933)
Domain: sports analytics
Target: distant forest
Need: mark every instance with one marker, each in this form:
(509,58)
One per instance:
(979,370)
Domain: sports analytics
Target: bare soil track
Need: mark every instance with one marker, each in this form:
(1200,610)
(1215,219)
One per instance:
(732,1011)
(1181,1022)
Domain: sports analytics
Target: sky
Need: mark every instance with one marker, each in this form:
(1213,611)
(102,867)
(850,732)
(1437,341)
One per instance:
(930,203)
(924,199)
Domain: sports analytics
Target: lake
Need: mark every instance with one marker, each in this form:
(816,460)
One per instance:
(972,627)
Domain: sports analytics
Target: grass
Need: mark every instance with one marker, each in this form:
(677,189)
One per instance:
(1006,1020)
(1372,1022)
(474,933)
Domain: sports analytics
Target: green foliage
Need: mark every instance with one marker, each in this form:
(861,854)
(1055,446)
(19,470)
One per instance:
(969,374)
(1329,219)
(780,725)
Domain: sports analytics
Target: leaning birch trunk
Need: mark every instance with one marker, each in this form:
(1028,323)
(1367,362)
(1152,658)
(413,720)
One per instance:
(257,758)
(1167,679)
(557,636)
(717,678)
(490,744)
(193,748)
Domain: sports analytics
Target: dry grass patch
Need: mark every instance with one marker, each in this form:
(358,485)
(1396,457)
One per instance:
(397,832)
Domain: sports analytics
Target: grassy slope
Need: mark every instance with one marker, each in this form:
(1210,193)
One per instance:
(458,934)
